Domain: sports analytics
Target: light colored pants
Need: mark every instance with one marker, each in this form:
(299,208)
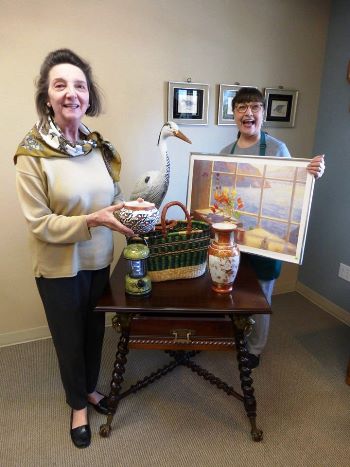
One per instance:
(258,337)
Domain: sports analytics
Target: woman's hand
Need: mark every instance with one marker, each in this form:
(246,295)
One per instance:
(106,218)
(317,166)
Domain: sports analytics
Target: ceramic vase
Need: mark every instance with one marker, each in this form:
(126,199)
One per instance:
(224,257)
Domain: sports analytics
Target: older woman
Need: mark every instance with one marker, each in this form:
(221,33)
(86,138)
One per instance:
(67,184)
(248,107)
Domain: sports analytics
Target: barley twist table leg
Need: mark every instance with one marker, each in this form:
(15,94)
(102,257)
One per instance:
(242,325)
(118,371)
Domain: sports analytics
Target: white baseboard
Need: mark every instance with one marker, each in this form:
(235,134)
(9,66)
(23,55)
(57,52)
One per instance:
(25,335)
(326,305)
(34,334)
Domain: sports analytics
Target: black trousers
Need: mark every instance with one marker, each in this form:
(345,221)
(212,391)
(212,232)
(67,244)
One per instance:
(76,330)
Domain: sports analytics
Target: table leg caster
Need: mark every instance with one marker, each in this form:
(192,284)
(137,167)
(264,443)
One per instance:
(105,430)
(257,435)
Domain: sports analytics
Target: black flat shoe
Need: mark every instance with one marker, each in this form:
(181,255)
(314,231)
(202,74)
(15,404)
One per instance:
(81,436)
(101,406)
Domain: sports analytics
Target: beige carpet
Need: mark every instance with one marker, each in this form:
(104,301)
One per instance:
(182,420)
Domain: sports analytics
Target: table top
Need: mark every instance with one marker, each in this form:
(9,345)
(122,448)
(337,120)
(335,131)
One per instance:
(186,295)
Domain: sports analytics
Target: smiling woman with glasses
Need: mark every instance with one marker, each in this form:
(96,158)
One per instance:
(248,107)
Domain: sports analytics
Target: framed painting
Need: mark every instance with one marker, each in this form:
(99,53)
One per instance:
(227,93)
(281,105)
(188,103)
(268,198)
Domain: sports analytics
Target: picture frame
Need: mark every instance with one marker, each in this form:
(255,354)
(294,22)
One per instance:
(280,108)
(227,93)
(268,198)
(188,103)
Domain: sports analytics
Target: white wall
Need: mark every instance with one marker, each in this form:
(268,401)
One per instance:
(135,48)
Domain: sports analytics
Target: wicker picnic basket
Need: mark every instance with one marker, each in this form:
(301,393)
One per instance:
(178,249)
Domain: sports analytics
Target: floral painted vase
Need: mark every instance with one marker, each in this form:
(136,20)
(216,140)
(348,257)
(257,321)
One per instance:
(224,257)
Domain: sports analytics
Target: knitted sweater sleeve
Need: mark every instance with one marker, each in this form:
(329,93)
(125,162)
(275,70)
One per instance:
(118,195)
(45,225)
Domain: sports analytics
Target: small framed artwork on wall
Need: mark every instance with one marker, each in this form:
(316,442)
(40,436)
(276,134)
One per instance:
(227,93)
(188,103)
(281,105)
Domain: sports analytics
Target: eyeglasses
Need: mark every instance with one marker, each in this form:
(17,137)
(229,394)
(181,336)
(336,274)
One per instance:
(242,108)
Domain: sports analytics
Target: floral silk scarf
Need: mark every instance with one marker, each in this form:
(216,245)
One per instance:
(47,140)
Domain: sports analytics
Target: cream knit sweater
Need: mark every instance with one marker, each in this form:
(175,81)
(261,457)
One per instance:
(55,195)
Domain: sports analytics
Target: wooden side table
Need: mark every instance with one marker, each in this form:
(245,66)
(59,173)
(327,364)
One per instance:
(184,317)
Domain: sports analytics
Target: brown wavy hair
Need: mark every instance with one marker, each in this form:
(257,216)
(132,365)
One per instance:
(58,57)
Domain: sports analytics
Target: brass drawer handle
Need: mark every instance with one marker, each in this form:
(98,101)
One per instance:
(182,336)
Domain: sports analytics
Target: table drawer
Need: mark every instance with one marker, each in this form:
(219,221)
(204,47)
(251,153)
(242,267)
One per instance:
(180,332)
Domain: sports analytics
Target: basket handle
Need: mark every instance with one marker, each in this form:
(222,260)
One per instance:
(187,214)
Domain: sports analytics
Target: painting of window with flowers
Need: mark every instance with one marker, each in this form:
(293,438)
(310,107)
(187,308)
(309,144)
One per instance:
(267,198)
